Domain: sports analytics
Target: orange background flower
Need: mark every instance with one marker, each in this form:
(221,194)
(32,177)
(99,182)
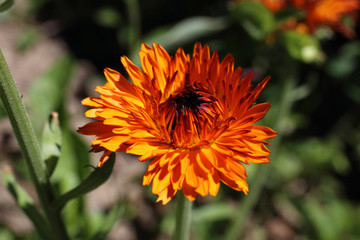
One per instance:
(320,13)
(330,13)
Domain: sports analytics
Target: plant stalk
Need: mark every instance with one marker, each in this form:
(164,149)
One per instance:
(183,217)
(30,148)
(134,28)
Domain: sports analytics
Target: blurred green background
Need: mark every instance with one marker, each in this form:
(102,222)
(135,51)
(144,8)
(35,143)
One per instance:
(57,50)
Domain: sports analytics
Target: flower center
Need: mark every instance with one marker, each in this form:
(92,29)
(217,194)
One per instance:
(185,113)
(188,100)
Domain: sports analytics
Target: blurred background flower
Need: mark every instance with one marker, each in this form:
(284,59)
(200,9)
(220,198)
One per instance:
(57,51)
(339,15)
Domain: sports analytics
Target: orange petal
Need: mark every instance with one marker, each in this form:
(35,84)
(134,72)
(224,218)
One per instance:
(95,129)
(214,183)
(113,144)
(190,177)
(189,192)
(104,158)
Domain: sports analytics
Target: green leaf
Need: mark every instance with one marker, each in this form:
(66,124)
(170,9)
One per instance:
(257,20)
(94,180)
(28,38)
(322,218)
(212,212)
(25,202)
(2,110)
(185,31)
(49,91)
(345,63)
(70,172)
(106,221)
(204,218)
(5,233)
(51,142)
(302,47)
(6,5)
(323,153)
(107,17)
(289,13)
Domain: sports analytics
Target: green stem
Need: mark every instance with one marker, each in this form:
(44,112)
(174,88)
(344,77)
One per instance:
(134,24)
(247,204)
(183,217)
(30,148)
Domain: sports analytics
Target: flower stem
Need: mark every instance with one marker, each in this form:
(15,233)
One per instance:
(183,218)
(134,24)
(30,148)
(247,204)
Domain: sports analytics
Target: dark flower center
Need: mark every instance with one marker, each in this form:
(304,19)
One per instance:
(188,108)
(187,113)
(187,100)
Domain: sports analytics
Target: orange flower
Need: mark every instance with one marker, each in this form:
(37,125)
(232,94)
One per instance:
(329,13)
(275,5)
(318,13)
(192,116)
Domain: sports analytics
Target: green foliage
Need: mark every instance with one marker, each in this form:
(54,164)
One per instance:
(302,46)
(188,30)
(6,5)
(70,171)
(25,202)
(6,234)
(49,91)
(107,17)
(2,110)
(254,17)
(51,142)
(94,180)
(28,38)
(332,220)
(204,219)
(346,61)
(101,223)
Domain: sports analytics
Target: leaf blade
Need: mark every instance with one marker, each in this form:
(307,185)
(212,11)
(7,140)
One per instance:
(94,180)
(26,203)
(6,5)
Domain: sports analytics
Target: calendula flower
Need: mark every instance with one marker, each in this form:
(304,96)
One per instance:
(318,13)
(191,116)
(329,13)
(275,5)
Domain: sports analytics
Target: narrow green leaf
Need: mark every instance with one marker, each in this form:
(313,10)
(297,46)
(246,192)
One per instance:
(25,202)
(94,180)
(6,5)
(257,20)
(70,172)
(107,221)
(185,31)
(51,142)
(50,90)
(213,212)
